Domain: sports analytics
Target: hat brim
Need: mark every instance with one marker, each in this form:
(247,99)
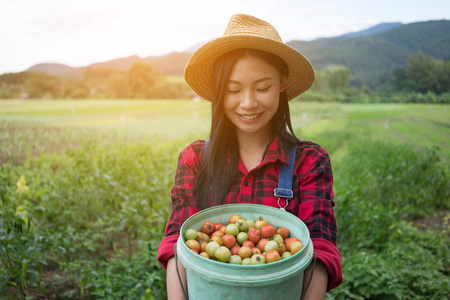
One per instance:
(199,69)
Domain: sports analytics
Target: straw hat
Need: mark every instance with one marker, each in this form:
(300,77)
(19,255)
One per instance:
(245,31)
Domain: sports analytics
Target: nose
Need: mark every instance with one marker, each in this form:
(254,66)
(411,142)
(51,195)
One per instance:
(248,100)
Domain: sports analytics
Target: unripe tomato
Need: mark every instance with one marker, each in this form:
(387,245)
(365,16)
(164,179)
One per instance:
(229,241)
(235,260)
(199,236)
(260,223)
(245,252)
(211,248)
(243,225)
(208,227)
(250,222)
(272,256)
(217,233)
(283,231)
(233,218)
(286,255)
(217,239)
(271,245)
(268,231)
(203,246)
(254,235)
(256,250)
(232,229)
(278,238)
(223,254)
(246,261)
(205,237)
(190,234)
(289,241)
(281,248)
(205,255)
(223,229)
(257,259)
(242,237)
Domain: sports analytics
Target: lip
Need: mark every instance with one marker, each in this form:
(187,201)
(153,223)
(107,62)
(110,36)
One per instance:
(249,117)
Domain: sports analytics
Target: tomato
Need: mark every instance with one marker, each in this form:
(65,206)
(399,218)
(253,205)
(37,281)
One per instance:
(217,239)
(256,250)
(272,256)
(195,251)
(217,226)
(286,255)
(223,254)
(248,244)
(281,248)
(208,227)
(254,235)
(289,241)
(203,246)
(257,259)
(223,229)
(271,245)
(262,244)
(235,250)
(233,218)
(267,231)
(217,233)
(260,223)
(229,241)
(283,231)
(205,255)
(211,248)
(193,245)
(232,229)
(296,246)
(199,236)
(235,260)
(242,237)
(246,261)
(243,225)
(250,222)
(205,237)
(190,234)
(278,238)
(245,252)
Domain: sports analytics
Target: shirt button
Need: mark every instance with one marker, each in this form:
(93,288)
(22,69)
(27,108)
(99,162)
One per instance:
(247,183)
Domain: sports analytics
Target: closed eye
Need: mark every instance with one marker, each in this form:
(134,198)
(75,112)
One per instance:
(264,89)
(233,91)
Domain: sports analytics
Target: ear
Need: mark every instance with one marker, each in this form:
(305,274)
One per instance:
(283,82)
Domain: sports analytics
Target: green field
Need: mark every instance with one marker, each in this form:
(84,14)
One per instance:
(85,194)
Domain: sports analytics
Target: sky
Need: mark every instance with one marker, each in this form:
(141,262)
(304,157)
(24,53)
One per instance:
(81,32)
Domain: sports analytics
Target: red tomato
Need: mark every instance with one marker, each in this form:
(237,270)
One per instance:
(233,218)
(223,229)
(235,250)
(208,227)
(249,244)
(217,226)
(282,248)
(217,233)
(289,241)
(262,244)
(267,231)
(254,235)
(256,250)
(229,241)
(283,231)
(203,246)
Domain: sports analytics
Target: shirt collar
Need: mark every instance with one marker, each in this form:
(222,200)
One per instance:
(277,151)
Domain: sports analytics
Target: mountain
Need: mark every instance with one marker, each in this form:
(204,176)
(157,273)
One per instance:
(371,55)
(372,58)
(373,30)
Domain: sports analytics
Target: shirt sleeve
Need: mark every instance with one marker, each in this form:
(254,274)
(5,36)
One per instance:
(316,211)
(182,200)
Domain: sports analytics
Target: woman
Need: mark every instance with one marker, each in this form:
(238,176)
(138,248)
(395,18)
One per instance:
(249,75)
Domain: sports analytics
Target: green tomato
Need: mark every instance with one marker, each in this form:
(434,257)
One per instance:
(190,234)
(286,255)
(242,237)
(232,229)
(211,248)
(243,225)
(223,254)
(250,222)
(257,259)
(278,238)
(246,261)
(235,260)
(271,245)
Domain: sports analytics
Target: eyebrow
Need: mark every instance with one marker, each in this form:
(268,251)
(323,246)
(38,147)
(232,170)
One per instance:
(256,81)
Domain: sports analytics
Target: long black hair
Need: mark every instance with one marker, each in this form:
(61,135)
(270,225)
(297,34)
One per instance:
(218,168)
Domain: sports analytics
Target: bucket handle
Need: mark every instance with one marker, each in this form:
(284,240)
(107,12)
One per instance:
(310,277)
(178,273)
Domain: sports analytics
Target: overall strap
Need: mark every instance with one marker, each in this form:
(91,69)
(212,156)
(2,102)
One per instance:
(284,189)
(206,146)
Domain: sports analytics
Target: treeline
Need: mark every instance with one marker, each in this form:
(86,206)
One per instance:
(423,80)
(140,81)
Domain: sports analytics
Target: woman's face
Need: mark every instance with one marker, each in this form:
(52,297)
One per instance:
(252,95)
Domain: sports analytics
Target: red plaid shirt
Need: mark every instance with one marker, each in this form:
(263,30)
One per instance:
(312,203)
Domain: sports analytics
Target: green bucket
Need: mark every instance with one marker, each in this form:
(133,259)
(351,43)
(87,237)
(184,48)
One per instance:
(209,279)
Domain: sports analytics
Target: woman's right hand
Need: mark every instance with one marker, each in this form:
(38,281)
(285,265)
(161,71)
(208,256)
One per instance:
(174,291)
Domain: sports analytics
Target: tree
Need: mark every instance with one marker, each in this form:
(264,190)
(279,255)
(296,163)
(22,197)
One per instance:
(141,78)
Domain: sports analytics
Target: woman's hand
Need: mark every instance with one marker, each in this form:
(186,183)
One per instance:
(174,291)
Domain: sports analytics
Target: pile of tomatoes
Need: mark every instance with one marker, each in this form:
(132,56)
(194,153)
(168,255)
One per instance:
(242,242)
